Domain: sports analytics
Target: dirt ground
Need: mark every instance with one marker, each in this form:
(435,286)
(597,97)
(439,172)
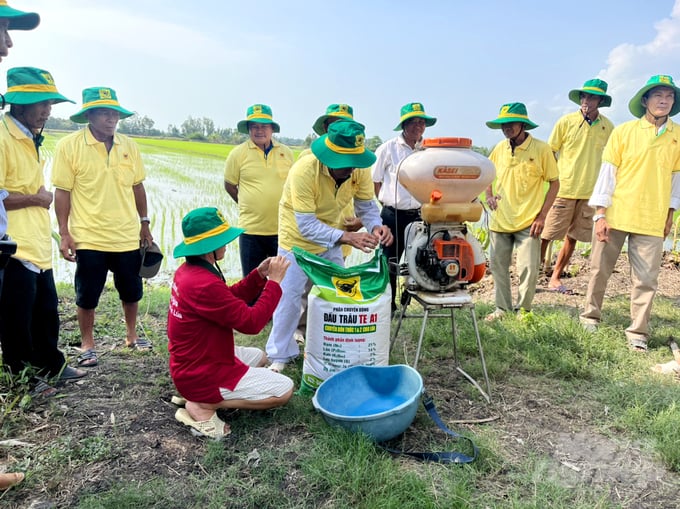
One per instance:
(126,398)
(580,455)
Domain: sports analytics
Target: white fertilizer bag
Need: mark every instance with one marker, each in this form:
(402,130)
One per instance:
(348,316)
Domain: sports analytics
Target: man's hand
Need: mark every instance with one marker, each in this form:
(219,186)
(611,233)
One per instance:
(67,247)
(44,197)
(351,224)
(366,242)
(384,235)
(492,201)
(145,237)
(537,226)
(602,230)
(669,223)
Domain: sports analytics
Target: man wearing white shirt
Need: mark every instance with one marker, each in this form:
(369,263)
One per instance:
(399,208)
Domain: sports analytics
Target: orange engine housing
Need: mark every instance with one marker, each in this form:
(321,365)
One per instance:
(458,250)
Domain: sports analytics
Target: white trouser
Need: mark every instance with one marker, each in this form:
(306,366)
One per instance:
(281,347)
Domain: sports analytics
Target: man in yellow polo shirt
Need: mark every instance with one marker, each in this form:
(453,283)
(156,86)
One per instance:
(101,208)
(635,196)
(319,187)
(350,222)
(29,317)
(254,175)
(335,112)
(578,140)
(11,19)
(519,206)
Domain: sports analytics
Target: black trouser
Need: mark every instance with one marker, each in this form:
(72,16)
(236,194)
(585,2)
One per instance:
(254,249)
(29,320)
(397,220)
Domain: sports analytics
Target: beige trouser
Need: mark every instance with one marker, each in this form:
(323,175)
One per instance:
(500,258)
(644,255)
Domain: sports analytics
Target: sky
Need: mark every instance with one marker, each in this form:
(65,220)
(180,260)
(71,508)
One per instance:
(170,59)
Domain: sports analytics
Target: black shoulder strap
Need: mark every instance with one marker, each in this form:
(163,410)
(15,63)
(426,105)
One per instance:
(440,457)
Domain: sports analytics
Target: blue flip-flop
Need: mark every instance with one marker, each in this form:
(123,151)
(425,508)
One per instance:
(142,344)
(87,359)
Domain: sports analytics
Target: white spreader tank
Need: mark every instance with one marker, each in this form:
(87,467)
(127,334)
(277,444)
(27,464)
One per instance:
(445,176)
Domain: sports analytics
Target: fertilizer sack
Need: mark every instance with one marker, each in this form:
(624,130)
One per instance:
(348,316)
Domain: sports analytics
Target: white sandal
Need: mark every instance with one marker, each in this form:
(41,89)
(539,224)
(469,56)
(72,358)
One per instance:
(277,366)
(212,428)
(299,337)
(178,401)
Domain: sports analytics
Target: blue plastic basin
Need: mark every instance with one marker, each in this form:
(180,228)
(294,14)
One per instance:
(380,401)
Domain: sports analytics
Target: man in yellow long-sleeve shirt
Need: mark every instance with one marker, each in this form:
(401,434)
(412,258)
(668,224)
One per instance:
(635,195)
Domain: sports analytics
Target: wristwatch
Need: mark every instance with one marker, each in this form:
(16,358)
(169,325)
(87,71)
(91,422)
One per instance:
(597,217)
(144,220)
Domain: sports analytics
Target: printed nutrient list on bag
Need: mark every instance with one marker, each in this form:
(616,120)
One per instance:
(348,337)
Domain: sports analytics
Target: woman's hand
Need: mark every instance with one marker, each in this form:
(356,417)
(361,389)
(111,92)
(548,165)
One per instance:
(278,265)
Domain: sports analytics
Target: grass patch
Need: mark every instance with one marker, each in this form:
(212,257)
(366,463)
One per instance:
(110,440)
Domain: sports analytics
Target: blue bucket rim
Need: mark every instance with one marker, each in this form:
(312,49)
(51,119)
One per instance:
(371,417)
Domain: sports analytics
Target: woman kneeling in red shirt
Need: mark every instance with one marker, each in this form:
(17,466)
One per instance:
(205,366)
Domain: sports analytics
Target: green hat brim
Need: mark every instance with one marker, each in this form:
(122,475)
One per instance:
(242,126)
(319,124)
(575,96)
(498,123)
(81,118)
(207,245)
(429,121)
(19,20)
(635,104)
(35,97)
(335,161)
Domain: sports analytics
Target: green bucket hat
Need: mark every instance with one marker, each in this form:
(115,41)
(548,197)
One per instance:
(333,111)
(99,97)
(18,20)
(512,112)
(594,87)
(343,146)
(29,85)
(660,80)
(411,110)
(259,113)
(205,230)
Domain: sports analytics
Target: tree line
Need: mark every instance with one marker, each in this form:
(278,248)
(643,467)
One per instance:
(194,129)
(202,129)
